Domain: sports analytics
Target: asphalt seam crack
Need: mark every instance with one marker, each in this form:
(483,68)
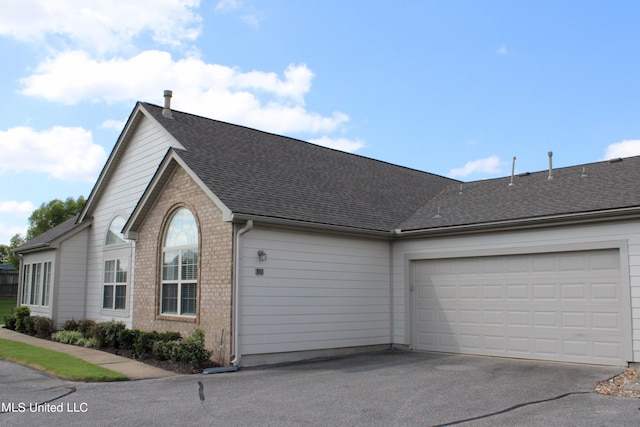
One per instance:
(512,408)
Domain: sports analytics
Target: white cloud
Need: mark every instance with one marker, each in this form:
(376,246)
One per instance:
(626,148)
(488,165)
(113,124)
(252,20)
(15,207)
(255,98)
(502,50)
(227,5)
(65,153)
(342,144)
(100,25)
(8,231)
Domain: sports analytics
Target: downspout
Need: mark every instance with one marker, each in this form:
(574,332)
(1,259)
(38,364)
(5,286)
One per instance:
(236,294)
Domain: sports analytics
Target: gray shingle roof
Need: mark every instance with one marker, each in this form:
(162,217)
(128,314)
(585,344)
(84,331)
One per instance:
(606,186)
(49,236)
(258,173)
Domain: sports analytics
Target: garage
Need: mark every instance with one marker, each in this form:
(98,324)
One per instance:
(561,306)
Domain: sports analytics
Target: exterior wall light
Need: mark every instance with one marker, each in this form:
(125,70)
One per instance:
(262,255)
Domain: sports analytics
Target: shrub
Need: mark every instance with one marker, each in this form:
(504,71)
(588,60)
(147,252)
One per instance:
(70,325)
(67,337)
(112,333)
(143,345)
(42,326)
(10,320)
(192,350)
(85,326)
(127,338)
(23,320)
(99,334)
(72,337)
(164,350)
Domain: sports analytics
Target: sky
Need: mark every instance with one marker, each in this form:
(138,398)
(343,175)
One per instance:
(456,88)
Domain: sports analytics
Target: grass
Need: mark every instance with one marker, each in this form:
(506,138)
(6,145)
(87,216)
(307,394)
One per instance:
(57,364)
(6,304)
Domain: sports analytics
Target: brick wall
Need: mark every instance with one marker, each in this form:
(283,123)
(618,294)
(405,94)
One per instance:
(215,265)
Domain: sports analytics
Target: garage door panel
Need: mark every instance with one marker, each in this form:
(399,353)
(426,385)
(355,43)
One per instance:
(545,306)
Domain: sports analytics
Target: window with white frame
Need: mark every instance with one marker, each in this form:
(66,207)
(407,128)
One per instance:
(116,267)
(36,284)
(114,295)
(179,288)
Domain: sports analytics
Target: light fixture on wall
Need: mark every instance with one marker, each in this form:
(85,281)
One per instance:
(262,255)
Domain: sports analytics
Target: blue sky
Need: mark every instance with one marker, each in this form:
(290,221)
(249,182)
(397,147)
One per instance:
(455,88)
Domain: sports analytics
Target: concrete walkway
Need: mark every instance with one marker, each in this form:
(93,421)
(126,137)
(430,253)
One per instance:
(133,369)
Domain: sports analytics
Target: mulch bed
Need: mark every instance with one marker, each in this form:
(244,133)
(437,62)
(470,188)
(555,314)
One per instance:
(627,384)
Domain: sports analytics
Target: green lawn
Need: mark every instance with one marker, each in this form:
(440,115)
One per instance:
(57,364)
(6,304)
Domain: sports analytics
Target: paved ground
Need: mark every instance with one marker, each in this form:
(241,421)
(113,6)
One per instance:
(132,369)
(391,388)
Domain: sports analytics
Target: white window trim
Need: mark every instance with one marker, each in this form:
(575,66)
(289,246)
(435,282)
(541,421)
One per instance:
(179,282)
(42,289)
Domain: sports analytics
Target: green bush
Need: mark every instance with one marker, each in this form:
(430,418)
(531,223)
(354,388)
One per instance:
(70,325)
(10,320)
(73,337)
(164,350)
(127,338)
(99,334)
(112,333)
(23,320)
(143,345)
(67,337)
(192,350)
(85,326)
(42,326)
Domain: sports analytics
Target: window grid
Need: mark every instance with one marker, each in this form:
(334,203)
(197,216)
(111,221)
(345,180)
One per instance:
(114,294)
(36,284)
(179,289)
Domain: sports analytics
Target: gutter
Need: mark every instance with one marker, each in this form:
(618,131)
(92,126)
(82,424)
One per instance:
(236,294)
(575,218)
(311,225)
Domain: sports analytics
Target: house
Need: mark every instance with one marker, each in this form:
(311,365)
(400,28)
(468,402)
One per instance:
(282,250)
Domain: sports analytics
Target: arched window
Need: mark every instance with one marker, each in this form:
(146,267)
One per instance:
(114,234)
(180,265)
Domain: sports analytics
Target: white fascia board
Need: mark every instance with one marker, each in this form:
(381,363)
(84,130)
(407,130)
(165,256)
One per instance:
(546,221)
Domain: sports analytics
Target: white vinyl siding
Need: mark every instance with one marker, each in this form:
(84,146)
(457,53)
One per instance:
(139,161)
(622,236)
(316,291)
(70,279)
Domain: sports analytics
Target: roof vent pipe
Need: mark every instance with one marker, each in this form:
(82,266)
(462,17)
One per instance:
(166,111)
(513,168)
(550,154)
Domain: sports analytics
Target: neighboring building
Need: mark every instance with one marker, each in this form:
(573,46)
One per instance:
(282,250)
(8,281)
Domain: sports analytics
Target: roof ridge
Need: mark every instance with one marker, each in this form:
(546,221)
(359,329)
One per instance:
(305,142)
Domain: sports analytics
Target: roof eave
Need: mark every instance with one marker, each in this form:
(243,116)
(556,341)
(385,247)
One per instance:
(53,243)
(525,223)
(293,223)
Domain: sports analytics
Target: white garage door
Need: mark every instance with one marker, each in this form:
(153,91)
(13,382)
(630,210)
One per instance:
(566,306)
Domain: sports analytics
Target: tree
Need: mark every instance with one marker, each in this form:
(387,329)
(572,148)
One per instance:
(48,215)
(15,241)
(4,254)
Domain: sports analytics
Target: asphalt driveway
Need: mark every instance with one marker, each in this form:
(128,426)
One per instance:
(391,388)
